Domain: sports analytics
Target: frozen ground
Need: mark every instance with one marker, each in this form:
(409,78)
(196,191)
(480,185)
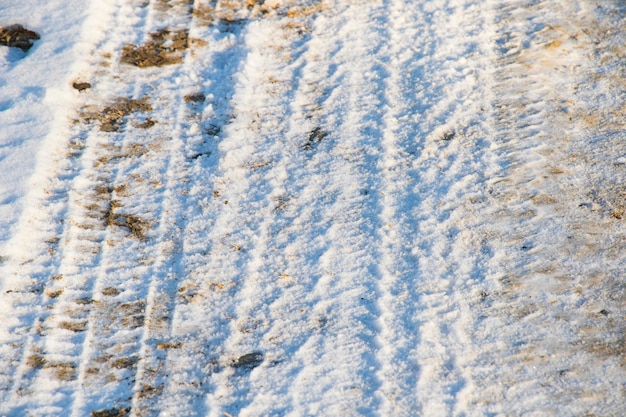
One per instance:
(313,208)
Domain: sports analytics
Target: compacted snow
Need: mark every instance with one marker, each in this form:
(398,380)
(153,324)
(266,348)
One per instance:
(313,208)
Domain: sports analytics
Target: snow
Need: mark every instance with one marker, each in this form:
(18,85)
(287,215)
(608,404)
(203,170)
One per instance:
(317,208)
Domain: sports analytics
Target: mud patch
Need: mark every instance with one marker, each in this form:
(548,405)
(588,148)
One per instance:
(134,224)
(111,117)
(165,47)
(17,36)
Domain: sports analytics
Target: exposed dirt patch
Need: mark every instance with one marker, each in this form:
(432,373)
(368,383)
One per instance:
(148,391)
(110,291)
(83,301)
(111,412)
(36,361)
(543,199)
(315,136)
(165,47)
(167,5)
(133,322)
(146,124)
(63,371)
(17,36)
(168,345)
(111,117)
(54,293)
(132,314)
(74,326)
(305,11)
(134,224)
(241,11)
(125,363)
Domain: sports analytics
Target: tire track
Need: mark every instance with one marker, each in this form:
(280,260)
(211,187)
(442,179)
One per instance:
(160,380)
(218,266)
(546,290)
(86,260)
(435,156)
(282,273)
(136,298)
(35,312)
(328,262)
(399,370)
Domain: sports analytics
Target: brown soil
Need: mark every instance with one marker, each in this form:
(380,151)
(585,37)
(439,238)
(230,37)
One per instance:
(134,224)
(111,117)
(36,361)
(165,47)
(17,36)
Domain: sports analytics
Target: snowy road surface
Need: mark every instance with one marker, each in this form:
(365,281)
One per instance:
(313,208)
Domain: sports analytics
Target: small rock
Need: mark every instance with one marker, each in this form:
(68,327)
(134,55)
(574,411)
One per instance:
(249,360)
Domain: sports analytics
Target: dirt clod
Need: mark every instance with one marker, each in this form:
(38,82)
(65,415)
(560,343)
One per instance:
(17,36)
(81,86)
(195,98)
(63,371)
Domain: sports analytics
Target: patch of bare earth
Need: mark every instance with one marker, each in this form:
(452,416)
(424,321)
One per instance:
(165,47)
(17,36)
(111,117)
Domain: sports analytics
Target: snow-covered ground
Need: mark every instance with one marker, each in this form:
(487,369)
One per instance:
(313,208)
